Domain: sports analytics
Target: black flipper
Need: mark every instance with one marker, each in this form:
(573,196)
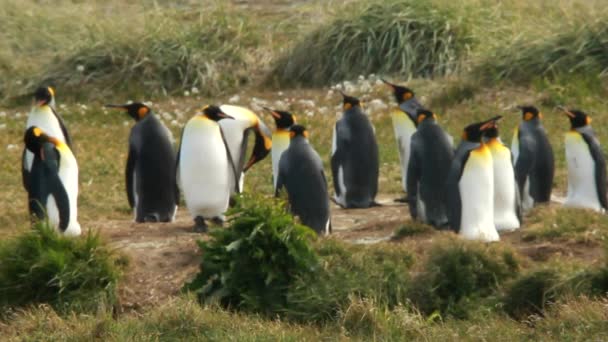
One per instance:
(25,174)
(68,139)
(600,167)
(413,178)
(129,172)
(523,165)
(453,193)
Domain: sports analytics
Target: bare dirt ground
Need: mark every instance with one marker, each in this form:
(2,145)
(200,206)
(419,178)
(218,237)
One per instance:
(164,256)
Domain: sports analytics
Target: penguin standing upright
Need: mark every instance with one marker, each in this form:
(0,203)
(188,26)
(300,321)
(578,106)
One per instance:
(507,204)
(53,184)
(533,158)
(280,138)
(470,186)
(428,168)
(236,133)
(44,116)
(301,173)
(404,125)
(354,158)
(205,168)
(586,164)
(150,171)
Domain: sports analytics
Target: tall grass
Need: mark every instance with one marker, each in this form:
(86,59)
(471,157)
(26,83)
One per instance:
(411,38)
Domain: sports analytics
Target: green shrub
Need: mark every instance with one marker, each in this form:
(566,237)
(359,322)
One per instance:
(42,266)
(379,273)
(411,229)
(251,265)
(458,273)
(530,294)
(412,38)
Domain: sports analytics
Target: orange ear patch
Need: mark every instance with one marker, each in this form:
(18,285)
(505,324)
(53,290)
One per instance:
(421,117)
(292,134)
(306,134)
(588,121)
(141,112)
(52,91)
(528,116)
(347,106)
(407,96)
(37,132)
(465,136)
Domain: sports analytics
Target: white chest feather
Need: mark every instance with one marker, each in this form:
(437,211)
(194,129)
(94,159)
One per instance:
(204,170)
(515,145)
(582,191)
(505,215)
(280,142)
(404,129)
(476,188)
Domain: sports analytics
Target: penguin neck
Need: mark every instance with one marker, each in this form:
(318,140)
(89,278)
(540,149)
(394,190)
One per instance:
(298,140)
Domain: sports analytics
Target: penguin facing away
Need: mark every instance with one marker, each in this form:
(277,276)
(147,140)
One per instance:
(354,158)
(53,186)
(205,168)
(533,159)
(44,116)
(236,133)
(280,138)
(428,168)
(150,171)
(507,204)
(586,164)
(301,173)
(404,119)
(470,186)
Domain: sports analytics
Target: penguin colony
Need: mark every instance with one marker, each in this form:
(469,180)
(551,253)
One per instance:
(478,189)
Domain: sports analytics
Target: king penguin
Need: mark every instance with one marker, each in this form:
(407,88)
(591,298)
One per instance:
(204,167)
(354,158)
(533,156)
(404,124)
(150,171)
(301,173)
(280,138)
(53,186)
(428,168)
(44,116)
(236,133)
(586,164)
(507,204)
(470,186)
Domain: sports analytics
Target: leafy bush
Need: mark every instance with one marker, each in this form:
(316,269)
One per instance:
(42,266)
(411,229)
(530,294)
(458,273)
(412,38)
(251,264)
(350,272)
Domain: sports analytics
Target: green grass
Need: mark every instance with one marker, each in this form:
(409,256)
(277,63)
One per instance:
(42,267)
(411,229)
(547,224)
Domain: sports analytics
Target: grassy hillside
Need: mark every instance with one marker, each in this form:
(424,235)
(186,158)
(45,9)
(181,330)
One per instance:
(467,60)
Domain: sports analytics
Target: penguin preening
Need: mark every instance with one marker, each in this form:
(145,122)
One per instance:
(301,173)
(470,186)
(507,204)
(280,138)
(404,124)
(150,171)
(236,133)
(533,158)
(586,164)
(44,116)
(354,158)
(53,184)
(429,164)
(205,167)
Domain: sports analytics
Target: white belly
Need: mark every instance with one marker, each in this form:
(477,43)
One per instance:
(582,191)
(43,118)
(515,145)
(280,142)
(404,129)
(476,188)
(204,169)
(68,173)
(505,216)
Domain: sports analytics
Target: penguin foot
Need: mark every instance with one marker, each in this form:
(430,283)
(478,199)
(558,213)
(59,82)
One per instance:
(151,218)
(401,200)
(200,226)
(218,221)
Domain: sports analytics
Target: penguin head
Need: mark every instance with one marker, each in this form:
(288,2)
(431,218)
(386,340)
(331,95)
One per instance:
(44,96)
(136,110)
(214,113)
(474,132)
(491,132)
(423,114)
(298,131)
(349,102)
(529,113)
(401,93)
(34,138)
(578,118)
(282,119)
